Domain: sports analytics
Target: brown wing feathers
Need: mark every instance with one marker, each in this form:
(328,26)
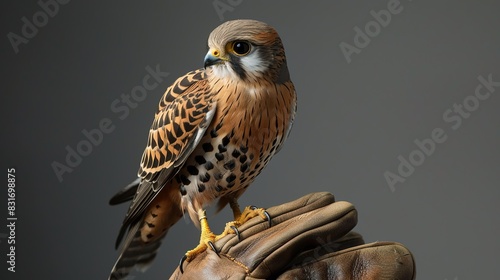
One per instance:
(184,113)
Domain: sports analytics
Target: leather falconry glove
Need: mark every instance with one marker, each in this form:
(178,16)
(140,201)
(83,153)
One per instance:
(310,238)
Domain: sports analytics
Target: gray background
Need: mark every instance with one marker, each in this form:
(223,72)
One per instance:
(354,120)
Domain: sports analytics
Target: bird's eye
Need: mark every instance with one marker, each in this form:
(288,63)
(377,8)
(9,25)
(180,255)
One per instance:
(240,47)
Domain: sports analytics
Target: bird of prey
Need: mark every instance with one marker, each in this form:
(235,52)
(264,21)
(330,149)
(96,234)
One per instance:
(214,131)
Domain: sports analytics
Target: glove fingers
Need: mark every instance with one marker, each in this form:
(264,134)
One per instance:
(299,206)
(310,239)
(298,226)
(279,214)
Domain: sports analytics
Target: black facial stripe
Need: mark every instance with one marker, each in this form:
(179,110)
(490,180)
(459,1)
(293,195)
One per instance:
(236,66)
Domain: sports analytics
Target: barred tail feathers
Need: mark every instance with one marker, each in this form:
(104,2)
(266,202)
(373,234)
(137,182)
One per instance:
(144,238)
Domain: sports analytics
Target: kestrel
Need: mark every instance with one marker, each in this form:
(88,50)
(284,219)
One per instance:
(214,131)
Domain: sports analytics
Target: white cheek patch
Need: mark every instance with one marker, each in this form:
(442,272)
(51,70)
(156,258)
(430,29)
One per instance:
(253,63)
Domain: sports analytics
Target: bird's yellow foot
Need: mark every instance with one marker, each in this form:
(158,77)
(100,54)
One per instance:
(231,228)
(207,239)
(205,242)
(248,213)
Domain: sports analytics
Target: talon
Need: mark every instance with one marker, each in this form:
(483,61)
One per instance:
(268,218)
(236,231)
(253,207)
(212,245)
(182,262)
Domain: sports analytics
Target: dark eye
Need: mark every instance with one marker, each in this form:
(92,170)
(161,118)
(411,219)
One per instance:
(241,47)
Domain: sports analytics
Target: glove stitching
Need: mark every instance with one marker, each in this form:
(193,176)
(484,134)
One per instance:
(240,264)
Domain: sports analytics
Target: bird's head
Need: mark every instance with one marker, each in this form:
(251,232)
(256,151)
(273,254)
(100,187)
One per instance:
(246,50)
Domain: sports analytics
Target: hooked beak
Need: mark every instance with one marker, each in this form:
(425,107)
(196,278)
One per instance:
(212,58)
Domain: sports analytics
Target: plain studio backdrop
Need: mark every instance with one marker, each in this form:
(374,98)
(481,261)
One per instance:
(398,113)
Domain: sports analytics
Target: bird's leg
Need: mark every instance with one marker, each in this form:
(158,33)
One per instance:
(233,203)
(207,238)
(242,217)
